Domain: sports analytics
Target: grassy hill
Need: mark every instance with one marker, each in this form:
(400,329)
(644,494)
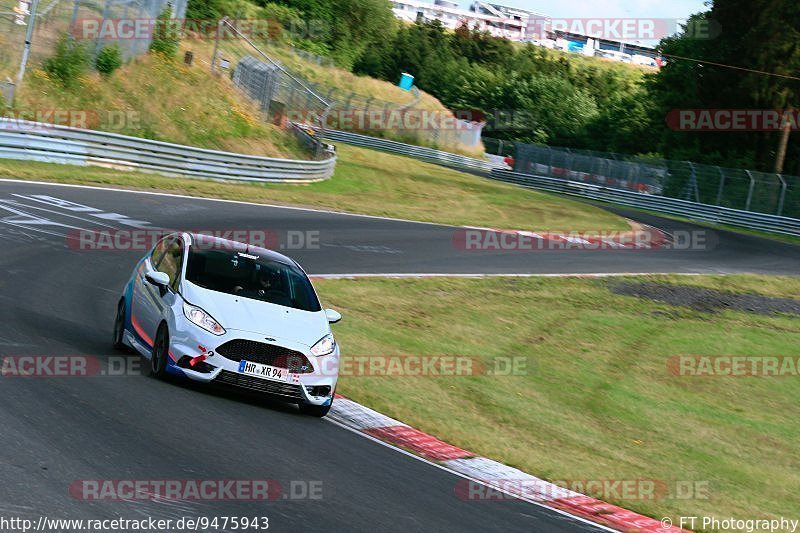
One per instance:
(163,100)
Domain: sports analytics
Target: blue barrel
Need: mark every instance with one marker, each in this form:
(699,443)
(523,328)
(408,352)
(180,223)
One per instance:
(406,81)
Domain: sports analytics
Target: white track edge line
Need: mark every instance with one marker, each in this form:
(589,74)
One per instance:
(512,275)
(240,202)
(459,474)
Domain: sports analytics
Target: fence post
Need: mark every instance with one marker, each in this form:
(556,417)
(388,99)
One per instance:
(721,186)
(99,43)
(569,164)
(783,195)
(28,38)
(691,187)
(70,33)
(749,191)
(220,24)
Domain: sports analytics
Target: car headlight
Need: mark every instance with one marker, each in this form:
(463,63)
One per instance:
(200,318)
(325,346)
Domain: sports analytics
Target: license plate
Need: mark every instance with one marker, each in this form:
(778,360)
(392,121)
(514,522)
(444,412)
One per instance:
(263,371)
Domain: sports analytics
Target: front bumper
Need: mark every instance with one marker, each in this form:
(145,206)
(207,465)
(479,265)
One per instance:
(316,386)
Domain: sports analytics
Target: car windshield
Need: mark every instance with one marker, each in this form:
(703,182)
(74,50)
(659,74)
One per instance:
(250,276)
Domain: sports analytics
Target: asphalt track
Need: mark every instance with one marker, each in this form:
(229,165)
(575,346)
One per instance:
(59,300)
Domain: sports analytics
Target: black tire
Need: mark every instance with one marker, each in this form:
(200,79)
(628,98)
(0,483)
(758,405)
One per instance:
(119,327)
(158,359)
(315,410)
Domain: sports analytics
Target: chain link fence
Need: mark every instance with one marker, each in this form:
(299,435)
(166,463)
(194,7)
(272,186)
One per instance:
(282,96)
(128,24)
(498,147)
(12,39)
(311,57)
(279,95)
(747,190)
(285,96)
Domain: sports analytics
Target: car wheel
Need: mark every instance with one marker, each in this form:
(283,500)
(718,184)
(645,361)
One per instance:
(119,327)
(158,360)
(315,410)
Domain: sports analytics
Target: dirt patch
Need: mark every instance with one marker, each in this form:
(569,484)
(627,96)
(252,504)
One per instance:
(707,300)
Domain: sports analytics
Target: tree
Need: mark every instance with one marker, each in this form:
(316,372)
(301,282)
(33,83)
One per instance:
(543,109)
(108,60)
(69,61)
(761,35)
(348,28)
(166,34)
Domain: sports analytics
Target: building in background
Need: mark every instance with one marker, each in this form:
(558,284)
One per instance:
(523,25)
(500,21)
(531,23)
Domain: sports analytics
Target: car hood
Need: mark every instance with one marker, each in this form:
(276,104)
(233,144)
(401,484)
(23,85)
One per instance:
(263,318)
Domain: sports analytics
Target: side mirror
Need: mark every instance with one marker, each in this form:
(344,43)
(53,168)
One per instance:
(333,316)
(159,279)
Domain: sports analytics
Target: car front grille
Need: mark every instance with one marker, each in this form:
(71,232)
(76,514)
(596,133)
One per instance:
(275,388)
(266,354)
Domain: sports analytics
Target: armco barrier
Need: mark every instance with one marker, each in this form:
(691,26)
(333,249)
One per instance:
(661,204)
(61,144)
(417,152)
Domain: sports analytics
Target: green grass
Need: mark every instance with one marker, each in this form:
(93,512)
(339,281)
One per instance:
(597,402)
(371,183)
(164,100)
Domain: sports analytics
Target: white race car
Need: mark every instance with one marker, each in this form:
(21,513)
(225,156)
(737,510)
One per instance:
(224,312)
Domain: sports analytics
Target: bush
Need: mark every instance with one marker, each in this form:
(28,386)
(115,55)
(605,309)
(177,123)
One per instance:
(108,60)
(166,35)
(69,61)
(204,9)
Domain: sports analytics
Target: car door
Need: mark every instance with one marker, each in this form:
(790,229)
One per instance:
(147,305)
(172,265)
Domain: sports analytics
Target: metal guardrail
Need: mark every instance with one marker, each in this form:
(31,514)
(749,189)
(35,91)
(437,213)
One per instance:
(672,206)
(418,152)
(61,144)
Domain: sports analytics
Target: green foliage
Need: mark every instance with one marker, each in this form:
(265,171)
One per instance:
(166,34)
(68,62)
(528,93)
(206,9)
(541,109)
(108,59)
(344,29)
(760,35)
